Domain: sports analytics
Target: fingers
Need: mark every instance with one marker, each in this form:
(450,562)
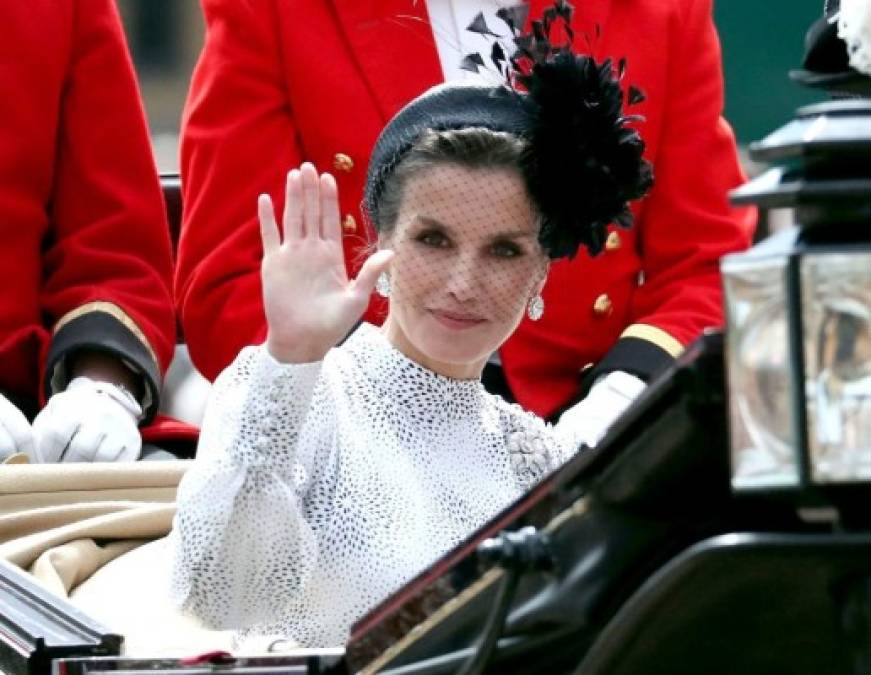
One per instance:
(53,434)
(8,446)
(103,442)
(84,445)
(268,226)
(112,451)
(15,432)
(311,209)
(115,447)
(331,229)
(368,275)
(85,425)
(311,206)
(293,206)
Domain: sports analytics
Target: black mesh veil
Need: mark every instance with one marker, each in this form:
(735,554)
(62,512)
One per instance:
(444,107)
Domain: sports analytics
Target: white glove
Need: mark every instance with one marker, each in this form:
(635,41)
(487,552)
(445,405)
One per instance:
(589,419)
(15,432)
(90,421)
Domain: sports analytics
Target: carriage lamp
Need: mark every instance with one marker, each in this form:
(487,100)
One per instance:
(798,309)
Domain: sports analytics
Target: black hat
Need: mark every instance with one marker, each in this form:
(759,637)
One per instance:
(583,162)
(442,108)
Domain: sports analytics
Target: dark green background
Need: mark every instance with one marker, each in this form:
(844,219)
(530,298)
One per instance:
(762,40)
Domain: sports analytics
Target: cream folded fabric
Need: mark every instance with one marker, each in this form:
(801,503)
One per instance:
(147,521)
(131,595)
(64,521)
(64,567)
(32,486)
(94,533)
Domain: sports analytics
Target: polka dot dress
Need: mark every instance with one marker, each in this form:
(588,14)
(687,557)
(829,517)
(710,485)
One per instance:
(321,488)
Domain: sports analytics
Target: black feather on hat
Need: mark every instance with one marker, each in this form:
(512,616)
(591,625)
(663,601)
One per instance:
(583,163)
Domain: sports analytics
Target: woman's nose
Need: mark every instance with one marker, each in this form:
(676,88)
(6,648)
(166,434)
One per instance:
(463,279)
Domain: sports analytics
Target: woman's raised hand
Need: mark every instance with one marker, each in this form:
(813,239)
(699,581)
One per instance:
(310,303)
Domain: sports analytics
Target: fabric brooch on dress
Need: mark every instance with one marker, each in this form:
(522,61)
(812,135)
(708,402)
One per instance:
(584,162)
(531,452)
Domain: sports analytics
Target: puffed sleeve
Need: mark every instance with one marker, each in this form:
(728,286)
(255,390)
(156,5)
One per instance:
(686,224)
(242,548)
(238,140)
(107,262)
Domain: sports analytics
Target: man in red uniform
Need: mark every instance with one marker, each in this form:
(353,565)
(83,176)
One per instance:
(274,87)
(85,266)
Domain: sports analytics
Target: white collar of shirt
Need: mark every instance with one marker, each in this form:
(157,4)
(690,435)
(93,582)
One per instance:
(449,19)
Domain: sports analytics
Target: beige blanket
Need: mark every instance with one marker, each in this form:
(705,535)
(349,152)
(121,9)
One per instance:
(70,526)
(130,594)
(63,522)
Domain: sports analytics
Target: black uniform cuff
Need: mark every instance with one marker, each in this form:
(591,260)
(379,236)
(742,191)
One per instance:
(101,332)
(632,355)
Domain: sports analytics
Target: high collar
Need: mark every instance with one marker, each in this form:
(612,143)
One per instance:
(414,388)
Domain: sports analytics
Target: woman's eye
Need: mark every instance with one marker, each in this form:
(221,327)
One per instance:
(504,249)
(434,239)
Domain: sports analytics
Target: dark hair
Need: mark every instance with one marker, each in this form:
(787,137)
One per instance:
(471,147)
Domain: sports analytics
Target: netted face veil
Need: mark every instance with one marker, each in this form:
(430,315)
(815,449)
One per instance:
(477,187)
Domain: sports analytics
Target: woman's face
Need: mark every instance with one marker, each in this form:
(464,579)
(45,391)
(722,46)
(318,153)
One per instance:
(467,263)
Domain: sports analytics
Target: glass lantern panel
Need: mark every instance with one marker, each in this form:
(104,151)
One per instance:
(836,312)
(763,448)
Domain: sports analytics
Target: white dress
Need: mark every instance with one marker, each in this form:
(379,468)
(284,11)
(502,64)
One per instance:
(320,488)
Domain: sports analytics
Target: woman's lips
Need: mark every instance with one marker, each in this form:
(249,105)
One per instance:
(456,320)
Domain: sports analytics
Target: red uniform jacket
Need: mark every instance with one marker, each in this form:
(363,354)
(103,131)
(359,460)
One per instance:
(275,86)
(85,259)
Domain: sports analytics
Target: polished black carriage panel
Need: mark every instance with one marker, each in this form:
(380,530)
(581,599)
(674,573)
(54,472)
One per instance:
(747,603)
(609,519)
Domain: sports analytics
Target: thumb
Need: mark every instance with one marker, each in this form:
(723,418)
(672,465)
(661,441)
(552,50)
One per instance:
(368,275)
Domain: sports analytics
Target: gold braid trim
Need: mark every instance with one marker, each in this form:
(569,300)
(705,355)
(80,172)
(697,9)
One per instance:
(577,510)
(113,310)
(450,607)
(655,335)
